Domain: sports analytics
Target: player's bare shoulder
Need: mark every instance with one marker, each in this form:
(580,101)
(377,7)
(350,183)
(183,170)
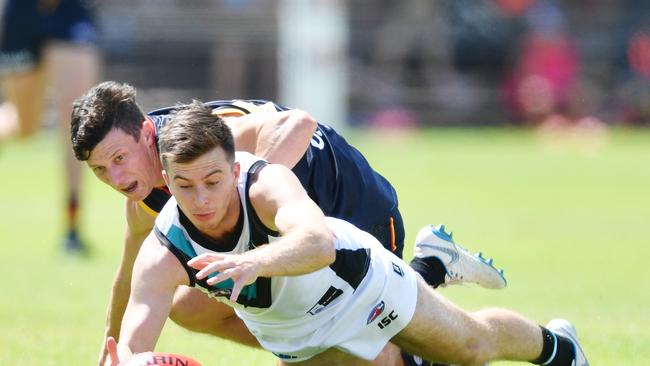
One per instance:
(138,217)
(273,187)
(272,178)
(156,261)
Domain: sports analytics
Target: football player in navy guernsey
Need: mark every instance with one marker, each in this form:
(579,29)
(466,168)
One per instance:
(314,290)
(43,44)
(119,143)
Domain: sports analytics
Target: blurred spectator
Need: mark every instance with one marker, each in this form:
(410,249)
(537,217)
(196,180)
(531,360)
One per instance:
(632,88)
(482,35)
(544,86)
(403,60)
(48,43)
(241,62)
(401,65)
(407,59)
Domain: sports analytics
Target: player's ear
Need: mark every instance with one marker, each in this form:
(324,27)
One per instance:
(148,132)
(165,177)
(236,168)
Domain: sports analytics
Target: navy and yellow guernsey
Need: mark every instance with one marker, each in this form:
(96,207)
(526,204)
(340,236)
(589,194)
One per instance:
(335,175)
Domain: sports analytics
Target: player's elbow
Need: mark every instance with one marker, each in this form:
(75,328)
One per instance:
(303,123)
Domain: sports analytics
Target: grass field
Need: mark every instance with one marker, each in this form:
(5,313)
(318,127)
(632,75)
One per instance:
(568,222)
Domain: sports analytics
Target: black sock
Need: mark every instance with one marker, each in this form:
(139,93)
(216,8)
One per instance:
(431,269)
(557,350)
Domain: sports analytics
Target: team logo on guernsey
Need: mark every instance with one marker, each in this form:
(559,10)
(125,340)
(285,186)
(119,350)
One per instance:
(378,309)
(330,295)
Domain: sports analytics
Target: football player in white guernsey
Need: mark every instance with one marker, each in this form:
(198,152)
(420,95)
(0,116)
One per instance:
(222,219)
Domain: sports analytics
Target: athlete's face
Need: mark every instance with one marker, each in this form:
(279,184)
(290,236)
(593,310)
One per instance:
(131,167)
(206,191)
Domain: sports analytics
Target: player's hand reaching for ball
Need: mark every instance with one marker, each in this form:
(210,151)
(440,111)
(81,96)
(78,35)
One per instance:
(240,268)
(114,358)
(111,348)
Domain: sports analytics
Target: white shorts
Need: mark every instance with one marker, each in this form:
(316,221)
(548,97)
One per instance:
(382,305)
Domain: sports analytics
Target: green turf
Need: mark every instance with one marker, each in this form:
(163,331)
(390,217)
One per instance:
(567,221)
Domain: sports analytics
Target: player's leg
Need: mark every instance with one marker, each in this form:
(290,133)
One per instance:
(195,311)
(21,114)
(390,356)
(22,73)
(436,257)
(331,357)
(72,69)
(390,233)
(440,261)
(439,330)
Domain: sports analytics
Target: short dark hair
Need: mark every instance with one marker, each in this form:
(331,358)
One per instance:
(105,106)
(192,131)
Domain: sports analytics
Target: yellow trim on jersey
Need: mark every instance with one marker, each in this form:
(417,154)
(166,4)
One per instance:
(222,112)
(247,106)
(252,108)
(148,209)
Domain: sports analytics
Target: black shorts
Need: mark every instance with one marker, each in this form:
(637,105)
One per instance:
(390,233)
(26,29)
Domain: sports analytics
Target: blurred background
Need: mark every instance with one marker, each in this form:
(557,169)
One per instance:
(520,124)
(415,63)
(386,63)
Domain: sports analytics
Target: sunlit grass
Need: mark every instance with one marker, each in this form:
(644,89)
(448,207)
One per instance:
(567,221)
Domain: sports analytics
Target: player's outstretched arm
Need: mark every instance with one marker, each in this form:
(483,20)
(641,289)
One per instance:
(305,245)
(139,225)
(278,137)
(112,352)
(156,275)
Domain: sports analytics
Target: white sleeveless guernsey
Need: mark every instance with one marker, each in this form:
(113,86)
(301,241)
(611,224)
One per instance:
(356,304)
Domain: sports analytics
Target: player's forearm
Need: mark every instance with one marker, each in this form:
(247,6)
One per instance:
(156,275)
(117,305)
(121,289)
(140,332)
(299,252)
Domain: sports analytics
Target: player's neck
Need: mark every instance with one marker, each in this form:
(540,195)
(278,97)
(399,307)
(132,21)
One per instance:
(157,168)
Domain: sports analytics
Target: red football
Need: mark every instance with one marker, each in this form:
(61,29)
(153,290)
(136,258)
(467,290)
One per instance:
(159,359)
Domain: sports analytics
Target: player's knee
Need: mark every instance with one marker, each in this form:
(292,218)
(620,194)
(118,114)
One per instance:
(479,346)
(195,323)
(193,319)
(215,321)
(474,352)
(194,311)
(187,319)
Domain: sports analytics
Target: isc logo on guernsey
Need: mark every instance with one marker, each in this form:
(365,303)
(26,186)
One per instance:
(377,311)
